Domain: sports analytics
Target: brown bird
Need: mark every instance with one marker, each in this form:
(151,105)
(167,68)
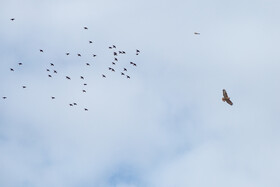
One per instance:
(4,97)
(85,28)
(11,69)
(197,33)
(226,98)
(12,19)
(49,75)
(67,53)
(20,64)
(79,54)
(68,78)
(90,42)
(41,50)
(103,76)
(124,69)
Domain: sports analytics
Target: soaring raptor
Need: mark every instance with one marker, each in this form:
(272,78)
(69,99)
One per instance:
(226,98)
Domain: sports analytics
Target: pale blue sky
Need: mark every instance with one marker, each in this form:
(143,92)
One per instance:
(165,127)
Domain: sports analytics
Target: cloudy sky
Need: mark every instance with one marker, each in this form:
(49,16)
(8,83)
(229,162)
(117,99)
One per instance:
(166,126)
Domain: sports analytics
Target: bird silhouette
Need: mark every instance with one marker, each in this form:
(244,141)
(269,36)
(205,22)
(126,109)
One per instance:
(79,54)
(41,50)
(110,68)
(128,77)
(52,64)
(20,64)
(114,46)
(49,75)
(113,63)
(54,71)
(197,33)
(124,69)
(94,55)
(116,59)
(90,42)
(85,109)
(4,97)
(85,84)
(85,28)
(12,19)
(81,77)
(87,64)
(67,53)
(84,91)
(68,78)
(110,47)
(113,70)
(48,70)
(75,104)
(53,97)
(115,54)
(70,104)
(122,73)
(11,69)
(23,86)
(103,76)
(134,64)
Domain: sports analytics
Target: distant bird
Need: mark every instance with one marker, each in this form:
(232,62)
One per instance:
(128,77)
(52,64)
(85,84)
(131,62)
(68,78)
(85,28)
(23,86)
(115,54)
(124,69)
(137,52)
(11,69)
(134,64)
(71,104)
(110,47)
(113,63)
(113,70)
(120,52)
(81,77)
(41,50)
(74,103)
(90,42)
(4,97)
(110,68)
(53,97)
(103,76)
(123,52)
(114,46)
(49,75)
(116,59)
(94,55)
(122,73)
(12,19)
(79,54)
(226,98)
(197,33)
(48,70)
(20,64)
(84,91)
(54,71)
(87,64)
(85,109)
(67,53)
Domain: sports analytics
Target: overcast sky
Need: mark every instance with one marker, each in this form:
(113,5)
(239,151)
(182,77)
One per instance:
(166,126)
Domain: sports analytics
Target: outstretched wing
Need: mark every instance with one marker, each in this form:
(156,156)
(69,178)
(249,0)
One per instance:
(225,93)
(229,101)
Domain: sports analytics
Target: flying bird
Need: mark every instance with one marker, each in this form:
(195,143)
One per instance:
(48,70)
(11,69)
(115,54)
(85,28)
(79,54)
(128,77)
(52,64)
(84,91)
(103,76)
(90,42)
(94,55)
(85,109)
(68,78)
(85,84)
(113,63)
(81,77)
(122,73)
(12,19)
(23,86)
(41,50)
(116,59)
(226,98)
(114,46)
(197,33)
(124,69)
(110,47)
(20,64)
(70,104)
(4,97)
(87,64)
(74,103)
(49,75)
(53,97)
(54,71)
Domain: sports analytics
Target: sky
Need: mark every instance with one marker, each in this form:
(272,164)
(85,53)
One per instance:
(166,126)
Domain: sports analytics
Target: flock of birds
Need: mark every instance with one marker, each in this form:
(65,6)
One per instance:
(115,53)
(123,72)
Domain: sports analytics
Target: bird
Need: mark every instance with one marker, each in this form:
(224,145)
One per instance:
(74,103)
(110,47)
(68,78)
(12,19)
(23,86)
(124,69)
(48,70)
(90,42)
(71,104)
(226,98)
(94,55)
(52,64)
(116,59)
(103,76)
(115,54)
(79,54)
(11,69)
(114,46)
(53,97)
(67,53)
(49,75)
(85,109)
(85,84)
(120,52)
(85,28)
(20,64)
(128,77)
(41,50)
(84,91)
(113,63)
(109,68)
(87,64)
(113,70)
(54,71)
(134,64)
(4,97)
(81,77)
(137,51)
(131,62)
(122,73)
(197,33)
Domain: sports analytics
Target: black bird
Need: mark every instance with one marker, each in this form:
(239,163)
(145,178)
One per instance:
(84,91)
(113,70)
(128,77)
(113,63)
(197,33)
(82,77)
(23,86)
(110,68)
(12,19)
(94,55)
(103,76)
(122,73)
(134,64)
(71,104)
(48,70)
(85,84)
(4,97)
(90,42)
(53,97)
(114,46)
(41,50)
(87,64)
(52,64)
(85,109)
(67,53)
(116,59)
(124,69)
(12,69)
(79,54)
(110,47)
(115,54)
(49,75)
(123,52)
(120,52)
(74,103)
(68,78)
(20,64)
(54,71)
(137,51)
(131,62)
(85,28)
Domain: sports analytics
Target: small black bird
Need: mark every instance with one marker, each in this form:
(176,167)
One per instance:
(120,52)
(128,77)
(49,75)
(94,55)
(12,69)
(137,51)
(197,33)
(71,104)
(81,77)
(54,71)
(79,54)
(90,42)
(75,104)
(12,19)
(20,64)
(52,64)
(123,52)
(87,64)
(113,70)
(124,69)
(84,91)
(103,76)
(48,70)
(41,50)
(113,63)
(114,46)
(85,84)
(85,109)
(122,73)
(131,62)
(110,47)
(67,53)
(110,68)
(85,28)
(23,86)
(68,78)
(4,97)
(53,97)
(134,64)
(115,54)
(116,59)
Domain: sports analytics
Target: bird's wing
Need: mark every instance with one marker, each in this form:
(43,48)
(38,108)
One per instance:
(229,101)
(225,93)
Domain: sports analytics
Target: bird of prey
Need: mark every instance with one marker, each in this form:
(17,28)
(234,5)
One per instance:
(41,50)
(12,69)
(226,98)
(197,33)
(12,19)
(68,78)
(85,28)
